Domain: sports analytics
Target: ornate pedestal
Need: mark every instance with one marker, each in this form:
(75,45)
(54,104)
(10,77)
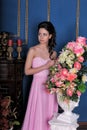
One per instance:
(66,120)
(57,124)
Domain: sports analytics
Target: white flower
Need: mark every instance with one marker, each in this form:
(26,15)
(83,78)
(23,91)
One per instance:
(73,70)
(84,78)
(63,56)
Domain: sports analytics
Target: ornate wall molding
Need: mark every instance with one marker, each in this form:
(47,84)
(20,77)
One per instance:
(26,22)
(18,20)
(77,17)
(48,10)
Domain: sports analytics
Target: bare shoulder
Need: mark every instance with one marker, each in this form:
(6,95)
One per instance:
(32,49)
(31,52)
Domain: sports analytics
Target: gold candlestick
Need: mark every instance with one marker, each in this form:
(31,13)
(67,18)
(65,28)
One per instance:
(19,49)
(10,50)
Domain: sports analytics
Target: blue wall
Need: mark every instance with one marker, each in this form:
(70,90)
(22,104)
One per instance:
(63,16)
(8,16)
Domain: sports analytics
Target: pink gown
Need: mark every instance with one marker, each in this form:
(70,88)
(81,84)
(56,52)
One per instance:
(41,105)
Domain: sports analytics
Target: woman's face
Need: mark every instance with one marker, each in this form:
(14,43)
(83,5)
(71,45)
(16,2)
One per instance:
(43,36)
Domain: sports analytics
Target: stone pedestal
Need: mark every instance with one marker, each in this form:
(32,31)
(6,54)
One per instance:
(57,124)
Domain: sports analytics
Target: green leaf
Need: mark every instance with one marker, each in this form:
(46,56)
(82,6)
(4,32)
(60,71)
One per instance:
(82,87)
(50,85)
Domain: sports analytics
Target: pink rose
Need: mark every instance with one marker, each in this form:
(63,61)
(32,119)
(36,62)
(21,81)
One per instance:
(58,84)
(62,77)
(69,92)
(78,50)
(52,80)
(81,40)
(70,45)
(71,77)
(64,72)
(77,65)
(81,59)
(78,93)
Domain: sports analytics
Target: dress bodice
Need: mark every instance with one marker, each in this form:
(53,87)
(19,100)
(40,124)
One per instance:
(37,62)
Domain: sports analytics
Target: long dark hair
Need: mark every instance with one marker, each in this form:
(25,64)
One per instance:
(50,28)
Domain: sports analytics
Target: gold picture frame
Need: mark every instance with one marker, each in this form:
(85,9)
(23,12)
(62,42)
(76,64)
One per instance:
(26,21)
(77,17)
(18,19)
(48,10)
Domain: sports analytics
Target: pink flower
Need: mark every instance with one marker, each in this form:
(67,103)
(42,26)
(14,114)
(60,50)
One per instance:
(81,40)
(69,92)
(64,72)
(46,86)
(47,91)
(77,65)
(52,80)
(56,76)
(59,66)
(78,93)
(81,59)
(58,83)
(70,45)
(53,90)
(71,77)
(78,50)
(62,77)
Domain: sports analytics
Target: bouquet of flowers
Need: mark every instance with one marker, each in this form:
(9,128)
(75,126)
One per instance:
(68,75)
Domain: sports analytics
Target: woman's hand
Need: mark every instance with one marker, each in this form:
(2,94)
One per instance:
(49,63)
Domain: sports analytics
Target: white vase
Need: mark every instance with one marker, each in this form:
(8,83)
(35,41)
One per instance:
(67,116)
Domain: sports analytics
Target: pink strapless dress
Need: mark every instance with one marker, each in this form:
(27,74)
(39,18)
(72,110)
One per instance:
(41,105)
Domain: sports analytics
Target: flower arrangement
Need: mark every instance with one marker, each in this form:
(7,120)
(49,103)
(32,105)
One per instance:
(8,113)
(68,75)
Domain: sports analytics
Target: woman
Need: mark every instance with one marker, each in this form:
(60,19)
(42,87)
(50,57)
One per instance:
(41,105)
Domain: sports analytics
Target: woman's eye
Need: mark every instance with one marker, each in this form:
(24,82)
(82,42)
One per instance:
(44,34)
